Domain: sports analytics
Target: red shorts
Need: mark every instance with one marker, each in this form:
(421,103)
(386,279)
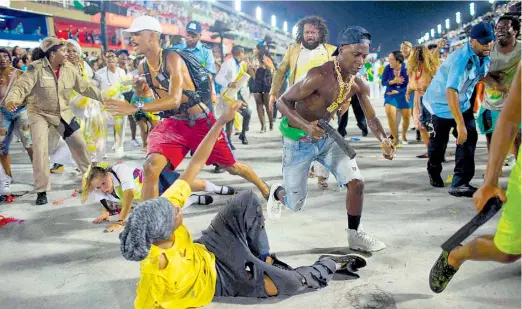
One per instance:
(175,138)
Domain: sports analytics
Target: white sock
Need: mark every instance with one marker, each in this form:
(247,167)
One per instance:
(193,199)
(213,188)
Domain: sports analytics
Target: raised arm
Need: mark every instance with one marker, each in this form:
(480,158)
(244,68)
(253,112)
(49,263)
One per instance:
(204,149)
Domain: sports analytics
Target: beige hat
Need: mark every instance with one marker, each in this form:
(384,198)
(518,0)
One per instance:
(49,42)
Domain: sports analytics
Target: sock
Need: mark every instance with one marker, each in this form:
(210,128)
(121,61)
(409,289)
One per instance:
(193,199)
(213,188)
(353,222)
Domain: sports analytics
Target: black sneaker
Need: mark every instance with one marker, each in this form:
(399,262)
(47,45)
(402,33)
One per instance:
(41,198)
(56,168)
(243,139)
(229,191)
(280,264)
(218,169)
(462,191)
(441,273)
(348,264)
(365,133)
(436,181)
(418,136)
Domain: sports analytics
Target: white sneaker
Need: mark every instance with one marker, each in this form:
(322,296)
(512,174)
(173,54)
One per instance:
(135,143)
(274,207)
(120,153)
(4,185)
(360,241)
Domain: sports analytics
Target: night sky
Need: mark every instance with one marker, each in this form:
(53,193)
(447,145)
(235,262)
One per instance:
(389,22)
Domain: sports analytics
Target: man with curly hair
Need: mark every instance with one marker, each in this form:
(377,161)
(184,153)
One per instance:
(309,51)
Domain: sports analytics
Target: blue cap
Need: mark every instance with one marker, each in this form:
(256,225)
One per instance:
(194,27)
(352,35)
(483,32)
(123,51)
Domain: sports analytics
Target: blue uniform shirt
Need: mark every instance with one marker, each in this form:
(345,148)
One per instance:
(460,71)
(202,53)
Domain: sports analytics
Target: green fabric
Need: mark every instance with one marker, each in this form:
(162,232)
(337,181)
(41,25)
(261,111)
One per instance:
(289,132)
(507,238)
(369,71)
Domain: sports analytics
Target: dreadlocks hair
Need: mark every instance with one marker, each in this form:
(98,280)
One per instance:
(317,22)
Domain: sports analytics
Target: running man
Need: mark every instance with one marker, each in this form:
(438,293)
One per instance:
(183,91)
(323,91)
(504,246)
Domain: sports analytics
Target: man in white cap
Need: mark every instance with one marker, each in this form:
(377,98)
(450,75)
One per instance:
(183,96)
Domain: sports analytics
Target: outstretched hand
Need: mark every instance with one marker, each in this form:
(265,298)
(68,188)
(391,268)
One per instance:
(388,149)
(119,107)
(230,110)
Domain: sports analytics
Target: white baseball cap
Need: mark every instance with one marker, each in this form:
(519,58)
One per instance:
(144,23)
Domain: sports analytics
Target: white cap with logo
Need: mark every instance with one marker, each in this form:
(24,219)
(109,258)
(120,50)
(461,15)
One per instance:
(144,23)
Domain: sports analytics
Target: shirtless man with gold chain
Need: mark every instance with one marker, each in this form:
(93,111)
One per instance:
(319,95)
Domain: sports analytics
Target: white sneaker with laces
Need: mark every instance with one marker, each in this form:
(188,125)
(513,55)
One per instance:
(360,241)
(135,143)
(5,183)
(274,207)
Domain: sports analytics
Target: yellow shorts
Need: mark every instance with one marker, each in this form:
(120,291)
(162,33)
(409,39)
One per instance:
(507,238)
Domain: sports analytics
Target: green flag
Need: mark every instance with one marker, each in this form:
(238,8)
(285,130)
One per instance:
(79,4)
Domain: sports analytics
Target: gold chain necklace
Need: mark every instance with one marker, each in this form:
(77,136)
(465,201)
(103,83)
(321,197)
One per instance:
(159,66)
(344,88)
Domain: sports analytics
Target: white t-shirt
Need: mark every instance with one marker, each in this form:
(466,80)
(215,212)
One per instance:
(107,79)
(129,178)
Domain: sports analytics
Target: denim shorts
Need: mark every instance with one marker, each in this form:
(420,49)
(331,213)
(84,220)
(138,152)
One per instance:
(297,159)
(11,121)
(425,116)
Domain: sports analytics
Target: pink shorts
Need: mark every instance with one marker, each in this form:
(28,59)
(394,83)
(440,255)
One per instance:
(175,138)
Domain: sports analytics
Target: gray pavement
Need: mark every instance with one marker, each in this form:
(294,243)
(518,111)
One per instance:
(58,259)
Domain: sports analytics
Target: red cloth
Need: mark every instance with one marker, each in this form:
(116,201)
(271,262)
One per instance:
(175,138)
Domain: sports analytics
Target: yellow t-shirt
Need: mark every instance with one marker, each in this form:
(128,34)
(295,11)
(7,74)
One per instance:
(189,280)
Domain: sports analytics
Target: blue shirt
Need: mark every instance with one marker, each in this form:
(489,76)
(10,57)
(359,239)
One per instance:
(460,71)
(202,53)
(388,75)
